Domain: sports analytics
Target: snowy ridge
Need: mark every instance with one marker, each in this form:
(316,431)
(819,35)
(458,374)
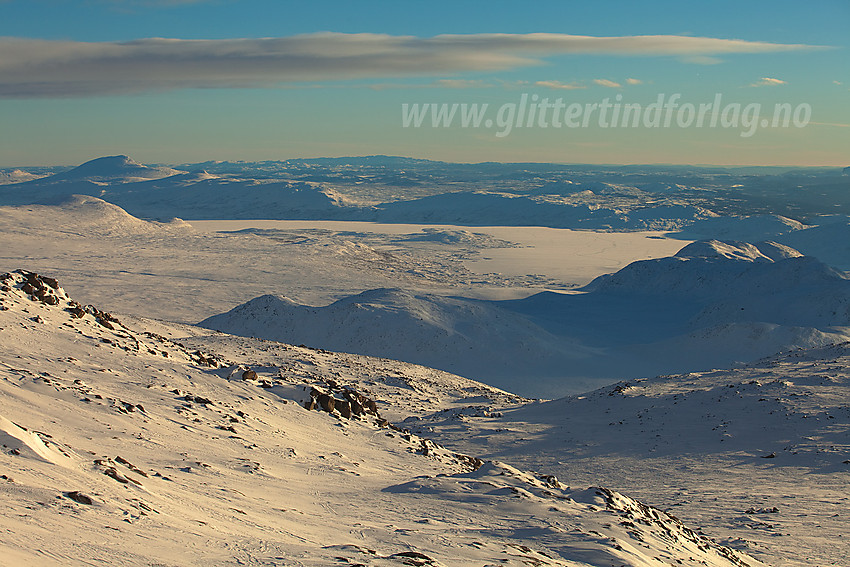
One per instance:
(453,334)
(758,252)
(712,304)
(164,193)
(709,268)
(177,446)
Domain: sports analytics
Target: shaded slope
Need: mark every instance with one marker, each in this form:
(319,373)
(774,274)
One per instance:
(713,304)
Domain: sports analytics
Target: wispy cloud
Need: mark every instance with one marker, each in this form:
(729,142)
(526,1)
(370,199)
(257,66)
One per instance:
(768,82)
(462,84)
(438,84)
(607,83)
(634,81)
(43,68)
(557,85)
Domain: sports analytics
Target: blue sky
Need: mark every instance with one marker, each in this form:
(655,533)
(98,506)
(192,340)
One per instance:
(265,86)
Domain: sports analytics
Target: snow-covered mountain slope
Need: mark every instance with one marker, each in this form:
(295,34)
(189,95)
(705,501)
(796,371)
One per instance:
(196,196)
(710,305)
(471,338)
(164,193)
(763,450)
(81,215)
(121,446)
(826,237)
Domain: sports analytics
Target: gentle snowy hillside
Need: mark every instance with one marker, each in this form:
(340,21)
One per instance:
(121,446)
(82,215)
(195,196)
(710,305)
(471,338)
(762,453)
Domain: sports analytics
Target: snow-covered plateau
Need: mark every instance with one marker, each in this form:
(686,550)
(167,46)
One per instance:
(383,361)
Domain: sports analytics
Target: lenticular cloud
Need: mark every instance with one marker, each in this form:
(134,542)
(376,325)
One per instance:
(31,68)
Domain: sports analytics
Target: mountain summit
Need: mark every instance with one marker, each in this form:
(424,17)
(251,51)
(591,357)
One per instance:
(114,169)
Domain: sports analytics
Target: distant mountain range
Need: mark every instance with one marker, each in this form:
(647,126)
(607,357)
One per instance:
(689,202)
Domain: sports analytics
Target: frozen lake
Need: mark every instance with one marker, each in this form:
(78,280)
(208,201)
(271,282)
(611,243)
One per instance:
(573,256)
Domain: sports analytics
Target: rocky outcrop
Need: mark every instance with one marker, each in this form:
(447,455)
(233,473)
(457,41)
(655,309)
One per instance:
(39,288)
(342,400)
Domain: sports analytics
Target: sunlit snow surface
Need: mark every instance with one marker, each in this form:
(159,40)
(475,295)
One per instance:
(123,445)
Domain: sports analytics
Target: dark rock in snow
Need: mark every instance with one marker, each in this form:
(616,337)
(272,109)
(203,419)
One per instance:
(79,497)
(327,402)
(343,407)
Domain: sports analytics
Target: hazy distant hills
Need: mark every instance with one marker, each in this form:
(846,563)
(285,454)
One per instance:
(804,208)
(481,208)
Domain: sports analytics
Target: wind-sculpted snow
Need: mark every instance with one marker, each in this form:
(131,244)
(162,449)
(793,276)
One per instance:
(712,304)
(123,445)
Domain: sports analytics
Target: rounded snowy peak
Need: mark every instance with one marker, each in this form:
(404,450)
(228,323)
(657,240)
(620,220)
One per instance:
(119,168)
